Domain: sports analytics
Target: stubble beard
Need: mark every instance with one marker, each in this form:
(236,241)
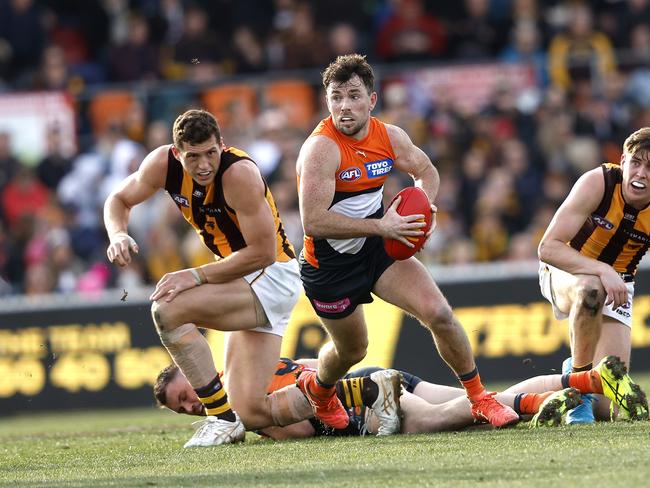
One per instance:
(350,131)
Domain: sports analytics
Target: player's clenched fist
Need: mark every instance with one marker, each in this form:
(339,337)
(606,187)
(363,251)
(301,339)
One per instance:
(118,251)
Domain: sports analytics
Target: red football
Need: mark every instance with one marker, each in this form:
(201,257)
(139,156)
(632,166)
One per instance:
(414,201)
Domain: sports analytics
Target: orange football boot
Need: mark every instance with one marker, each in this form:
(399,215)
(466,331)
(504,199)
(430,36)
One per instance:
(487,409)
(328,410)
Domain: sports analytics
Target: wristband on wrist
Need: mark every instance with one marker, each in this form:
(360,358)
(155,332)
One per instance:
(197,277)
(202,275)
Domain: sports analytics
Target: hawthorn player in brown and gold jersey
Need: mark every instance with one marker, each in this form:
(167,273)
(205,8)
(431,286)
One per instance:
(250,289)
(590,253)
(206,210)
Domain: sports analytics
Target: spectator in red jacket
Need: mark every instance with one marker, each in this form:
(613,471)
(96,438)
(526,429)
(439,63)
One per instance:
(411,34)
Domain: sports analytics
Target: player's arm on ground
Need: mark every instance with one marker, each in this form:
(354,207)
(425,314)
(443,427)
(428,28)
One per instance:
(299,430)
(134,189)
(318,161)
(244,191)
(584,198)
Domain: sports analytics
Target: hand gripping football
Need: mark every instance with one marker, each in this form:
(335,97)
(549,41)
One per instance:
(414,201)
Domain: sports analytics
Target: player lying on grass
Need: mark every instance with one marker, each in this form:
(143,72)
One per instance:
(380,390)
(427,407)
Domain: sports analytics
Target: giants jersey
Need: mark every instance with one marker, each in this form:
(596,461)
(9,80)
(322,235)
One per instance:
(206,210)
(360,177)
(286,373)
(616,233)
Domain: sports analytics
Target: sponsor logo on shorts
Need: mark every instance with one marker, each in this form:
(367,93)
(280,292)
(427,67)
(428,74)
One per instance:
(601,222)
(181,200)
(375,169)
(350,174)
(625,309)
(622,313)
(332,307)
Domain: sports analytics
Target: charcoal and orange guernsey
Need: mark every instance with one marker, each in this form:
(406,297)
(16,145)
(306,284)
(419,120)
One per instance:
(365,165)
(286,373)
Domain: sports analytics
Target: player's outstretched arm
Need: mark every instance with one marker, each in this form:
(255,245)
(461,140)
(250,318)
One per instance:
(134,189)
(300,430)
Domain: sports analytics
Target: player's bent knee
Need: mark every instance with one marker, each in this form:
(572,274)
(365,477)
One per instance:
(439,317)
(358,355)
(590,294)
(156,314)
(163,316)
(353,354)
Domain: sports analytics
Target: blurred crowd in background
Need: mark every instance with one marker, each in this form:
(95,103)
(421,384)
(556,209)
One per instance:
(505,166)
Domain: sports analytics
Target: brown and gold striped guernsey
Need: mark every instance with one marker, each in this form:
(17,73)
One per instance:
(616,233)
(205,208)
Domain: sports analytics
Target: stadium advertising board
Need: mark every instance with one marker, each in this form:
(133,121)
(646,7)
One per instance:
(109,355)
(28,117)
(470,87)
(78,357)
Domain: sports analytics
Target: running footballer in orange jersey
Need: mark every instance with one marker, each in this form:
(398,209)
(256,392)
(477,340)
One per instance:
(590,253)
(341,170)
(250,288)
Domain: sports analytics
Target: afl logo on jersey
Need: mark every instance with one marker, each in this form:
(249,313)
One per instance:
(350,174)
(181,200)
(601,222)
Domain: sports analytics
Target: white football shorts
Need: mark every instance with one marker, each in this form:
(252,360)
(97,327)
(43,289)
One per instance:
(623,313)
(278,288)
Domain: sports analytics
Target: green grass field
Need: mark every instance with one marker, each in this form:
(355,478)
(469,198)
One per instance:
(144,448)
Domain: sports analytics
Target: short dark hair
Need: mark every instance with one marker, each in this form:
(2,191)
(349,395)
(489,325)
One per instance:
(637,141)
(345,67)
(165,377)
(195,126)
